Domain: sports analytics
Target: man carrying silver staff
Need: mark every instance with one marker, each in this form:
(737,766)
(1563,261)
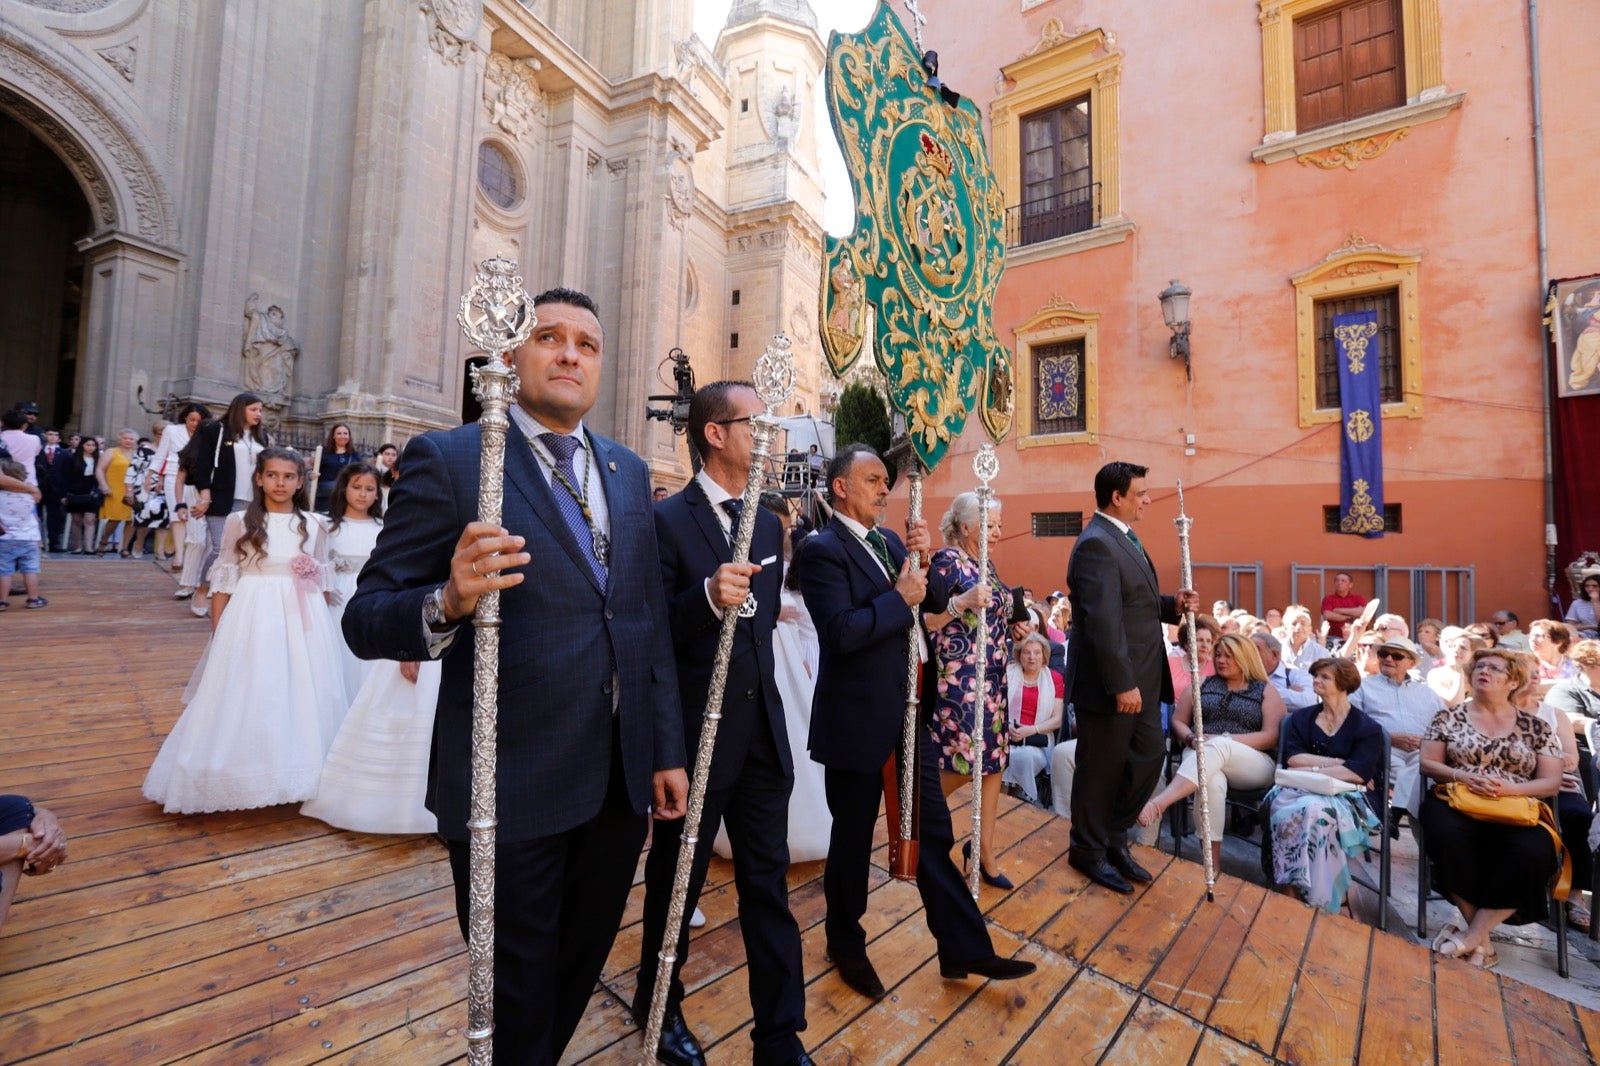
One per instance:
(1117,677)
(752,770)
(590,732)
(864,594)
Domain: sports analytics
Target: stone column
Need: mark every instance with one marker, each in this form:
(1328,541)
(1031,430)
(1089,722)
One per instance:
(130,331)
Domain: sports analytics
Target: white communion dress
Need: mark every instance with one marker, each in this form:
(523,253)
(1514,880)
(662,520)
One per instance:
(348,549)
(268,695)
(795,657)
(376,774)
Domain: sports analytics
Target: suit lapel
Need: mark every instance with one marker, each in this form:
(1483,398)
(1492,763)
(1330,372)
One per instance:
(705,517)
(1138,557)
(529,481)
(860,554)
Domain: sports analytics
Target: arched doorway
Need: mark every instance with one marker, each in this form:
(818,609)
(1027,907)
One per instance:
(43,213)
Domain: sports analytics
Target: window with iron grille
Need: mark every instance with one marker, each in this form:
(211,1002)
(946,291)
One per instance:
(1387,304)
(497,176)
(1058,394)
(1057,523)
(1057,172)
(1391,518)
(1349,62)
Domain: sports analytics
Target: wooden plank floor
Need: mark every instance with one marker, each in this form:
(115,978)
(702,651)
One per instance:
(261,936)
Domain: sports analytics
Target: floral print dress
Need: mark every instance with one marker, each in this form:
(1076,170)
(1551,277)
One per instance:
(955,665)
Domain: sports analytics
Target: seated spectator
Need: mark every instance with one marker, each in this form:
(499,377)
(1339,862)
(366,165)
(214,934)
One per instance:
(1550,641)
(1405,708)
(1363,651)
(1450,680)
(1293,685)
(1206,634)
(1508,631)
(1242,712)
(1493,873)
(1429,633)
(1572,801)
(1485,632)
(1391,625)
(1250,625)
(1221,609)
(31,842)
(1227,624)
(1580,695)
(1035,697)
(1343,604)
(1301,650)
(1274,620)
(1059,620)
(1582,615)
(1313,836)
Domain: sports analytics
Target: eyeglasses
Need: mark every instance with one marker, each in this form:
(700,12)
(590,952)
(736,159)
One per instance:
(1491,668)
(732,421)
(1392,656)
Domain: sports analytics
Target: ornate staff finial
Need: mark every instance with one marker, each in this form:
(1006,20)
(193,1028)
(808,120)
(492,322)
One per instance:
(497,313)
(773,375)
(986,464)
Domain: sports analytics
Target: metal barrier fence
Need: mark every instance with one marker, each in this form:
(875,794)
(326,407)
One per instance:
(1239,574)
(1448,593)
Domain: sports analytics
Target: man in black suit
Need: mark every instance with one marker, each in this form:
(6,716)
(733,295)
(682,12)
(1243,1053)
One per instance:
(589,731)
(752,769)
(1117,677)
(52,462)
(863,594)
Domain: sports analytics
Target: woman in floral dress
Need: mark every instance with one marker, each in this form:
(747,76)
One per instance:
(954,665)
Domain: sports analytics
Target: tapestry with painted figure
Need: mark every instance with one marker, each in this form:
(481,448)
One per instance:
(915,279)
(1355,337)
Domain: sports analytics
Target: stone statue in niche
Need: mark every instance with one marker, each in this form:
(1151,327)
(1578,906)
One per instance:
(269,353)
(783,115)
(511,95)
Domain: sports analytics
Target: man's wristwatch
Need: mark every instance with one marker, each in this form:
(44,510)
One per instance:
(433,611)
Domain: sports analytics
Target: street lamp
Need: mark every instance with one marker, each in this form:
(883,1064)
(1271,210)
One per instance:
(1175,312)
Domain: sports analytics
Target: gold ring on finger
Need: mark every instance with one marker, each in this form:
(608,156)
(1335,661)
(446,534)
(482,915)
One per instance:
(475,569)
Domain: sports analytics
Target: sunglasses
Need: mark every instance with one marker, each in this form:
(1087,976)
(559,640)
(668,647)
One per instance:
(1392,656)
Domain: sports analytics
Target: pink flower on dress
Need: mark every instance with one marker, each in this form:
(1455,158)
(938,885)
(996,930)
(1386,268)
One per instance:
(307,573)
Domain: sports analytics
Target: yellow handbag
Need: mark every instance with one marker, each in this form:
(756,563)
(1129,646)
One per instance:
(1511,810)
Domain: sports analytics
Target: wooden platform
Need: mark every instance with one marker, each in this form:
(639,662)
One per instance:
(261,936)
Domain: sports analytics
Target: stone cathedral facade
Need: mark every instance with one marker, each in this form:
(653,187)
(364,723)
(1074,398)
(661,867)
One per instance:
(290,195)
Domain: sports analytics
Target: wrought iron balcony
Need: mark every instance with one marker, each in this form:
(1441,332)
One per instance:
(1053,216)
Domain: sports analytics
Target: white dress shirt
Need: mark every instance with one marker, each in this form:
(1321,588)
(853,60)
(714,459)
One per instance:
(1294,685)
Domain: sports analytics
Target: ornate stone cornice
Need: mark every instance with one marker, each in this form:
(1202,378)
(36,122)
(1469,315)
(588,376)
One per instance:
(1352,154)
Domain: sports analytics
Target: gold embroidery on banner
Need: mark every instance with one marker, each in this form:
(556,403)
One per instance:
(1354,339)
(1363,517)
(1359,429)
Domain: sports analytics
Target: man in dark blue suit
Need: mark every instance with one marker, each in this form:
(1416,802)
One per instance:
(1117,677)
(752,769)
(590,732)
(863,593)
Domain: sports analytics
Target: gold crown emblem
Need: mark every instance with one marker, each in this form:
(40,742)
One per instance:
(937,155)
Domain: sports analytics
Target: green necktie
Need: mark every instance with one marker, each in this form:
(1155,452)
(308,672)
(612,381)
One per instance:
(880,548)
(1136,542)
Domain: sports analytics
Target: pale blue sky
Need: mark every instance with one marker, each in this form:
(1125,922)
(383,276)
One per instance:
(847,15)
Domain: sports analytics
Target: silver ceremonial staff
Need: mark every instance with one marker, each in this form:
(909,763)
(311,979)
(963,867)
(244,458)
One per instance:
(773,378)
(1186,580)
(497,317)
(904,851)
(987,466)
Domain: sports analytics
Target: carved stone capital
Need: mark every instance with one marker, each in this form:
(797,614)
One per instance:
(452,27)
(512,98)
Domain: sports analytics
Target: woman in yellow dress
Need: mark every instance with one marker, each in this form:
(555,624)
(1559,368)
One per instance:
(115,513)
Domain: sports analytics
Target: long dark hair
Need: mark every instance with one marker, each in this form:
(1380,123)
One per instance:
(191,451)
(336,502)
(233,421)
(190,408)
(253,544)
(88,439)
(330,448)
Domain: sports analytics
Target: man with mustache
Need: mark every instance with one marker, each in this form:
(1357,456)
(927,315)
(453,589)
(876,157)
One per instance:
(864,594)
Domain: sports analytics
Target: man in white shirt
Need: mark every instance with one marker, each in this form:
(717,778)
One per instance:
(1292,683)
(1508,631)
(1302,648)
(1404,707)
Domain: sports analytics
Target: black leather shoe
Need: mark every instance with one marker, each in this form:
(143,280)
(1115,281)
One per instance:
(1122,861)
(994,968)
(859,975)
(678,1046)
(1101,872)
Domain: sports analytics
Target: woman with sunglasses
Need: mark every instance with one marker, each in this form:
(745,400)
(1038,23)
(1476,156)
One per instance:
(1493,873)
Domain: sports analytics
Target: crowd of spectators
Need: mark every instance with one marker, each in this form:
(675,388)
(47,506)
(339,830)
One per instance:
(130,496)
(1300,701)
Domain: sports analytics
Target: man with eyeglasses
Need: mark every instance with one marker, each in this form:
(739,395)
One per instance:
(1405,707)
(1508,631)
